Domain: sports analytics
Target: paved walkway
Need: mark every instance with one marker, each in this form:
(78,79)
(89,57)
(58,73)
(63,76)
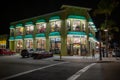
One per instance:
(75,58)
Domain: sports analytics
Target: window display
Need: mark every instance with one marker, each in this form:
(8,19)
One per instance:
(76,25)
(19,31)
(41,43)
(55,25)
(29,29)
(41,27)
(29,43)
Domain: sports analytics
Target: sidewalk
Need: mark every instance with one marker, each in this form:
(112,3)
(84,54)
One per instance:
(73,58)
(86,59)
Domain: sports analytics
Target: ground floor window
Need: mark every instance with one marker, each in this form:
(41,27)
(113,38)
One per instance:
(29,43)
(19,45)
(55,45)
(76,45)
(41,43)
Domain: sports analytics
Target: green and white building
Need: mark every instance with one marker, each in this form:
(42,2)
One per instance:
(70,31)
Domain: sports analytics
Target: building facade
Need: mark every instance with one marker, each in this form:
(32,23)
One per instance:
(4,41)
(69,31)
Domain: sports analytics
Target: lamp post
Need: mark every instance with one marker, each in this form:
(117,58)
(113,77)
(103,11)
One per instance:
(100,54)
(106,41)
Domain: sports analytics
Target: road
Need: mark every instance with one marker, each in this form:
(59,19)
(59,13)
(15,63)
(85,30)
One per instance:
(17,68)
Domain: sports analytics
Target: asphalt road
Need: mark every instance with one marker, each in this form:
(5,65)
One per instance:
(17,68)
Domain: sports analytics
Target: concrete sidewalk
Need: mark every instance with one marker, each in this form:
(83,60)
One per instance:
(73,58)
(86,59)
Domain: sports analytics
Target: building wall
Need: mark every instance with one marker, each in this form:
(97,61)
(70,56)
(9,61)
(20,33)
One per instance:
(64,31)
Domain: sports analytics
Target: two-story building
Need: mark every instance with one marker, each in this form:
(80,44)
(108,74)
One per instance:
(70,31)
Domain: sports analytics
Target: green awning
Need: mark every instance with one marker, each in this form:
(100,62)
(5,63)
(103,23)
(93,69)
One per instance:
(76,33)
(54,34)
(54,17)
(91,35)
(11,39)
(18,37)
(28,36)
(40,20)
(29,23)
(19,25)
(11,27)
(76,17)
(40,35)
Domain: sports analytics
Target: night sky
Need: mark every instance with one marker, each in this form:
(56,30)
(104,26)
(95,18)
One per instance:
(11,11)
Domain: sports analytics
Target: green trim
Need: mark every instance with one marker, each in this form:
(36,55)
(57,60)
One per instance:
(19,25)
(18,37)
(54,17)
(76,33)
(11,27)
(40,20)
(76,17)
(28,36)
(11,39)
(40,35)
(91,35)
(90,20)
(54,34)
(29,23)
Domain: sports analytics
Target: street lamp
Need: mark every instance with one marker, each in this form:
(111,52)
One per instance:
(106,41)
(100,57)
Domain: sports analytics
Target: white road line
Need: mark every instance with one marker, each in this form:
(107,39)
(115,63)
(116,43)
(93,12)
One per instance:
(26,72)
(77,74)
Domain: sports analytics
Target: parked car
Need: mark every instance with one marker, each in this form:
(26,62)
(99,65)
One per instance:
(42,54)
(27,52)
(6,52)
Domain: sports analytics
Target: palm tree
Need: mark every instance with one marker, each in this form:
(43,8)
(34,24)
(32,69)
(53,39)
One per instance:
(106,7)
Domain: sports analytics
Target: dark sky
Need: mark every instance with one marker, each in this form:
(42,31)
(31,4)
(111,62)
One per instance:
(11,11)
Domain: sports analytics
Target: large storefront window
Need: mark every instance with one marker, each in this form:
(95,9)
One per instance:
(75,45)
(55,25)
(55,45)
(41,27)
(29,29)
(28,43)
(19,31)
(19,45)
(41,43)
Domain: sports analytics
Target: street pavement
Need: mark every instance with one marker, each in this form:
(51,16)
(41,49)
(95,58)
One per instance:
(15,67)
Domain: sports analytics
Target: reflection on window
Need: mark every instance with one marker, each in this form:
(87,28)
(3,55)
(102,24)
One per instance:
(29,29)
(55,25)
(11,32)
(19,31)
(41,27)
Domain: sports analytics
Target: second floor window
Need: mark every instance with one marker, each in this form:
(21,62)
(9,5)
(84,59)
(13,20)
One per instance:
(29,29)
(12,32)
(55,25)
(19,31)
(41,27)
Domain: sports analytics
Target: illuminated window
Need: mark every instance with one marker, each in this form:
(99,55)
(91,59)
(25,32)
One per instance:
(41,27)
(29,29)
(55,25)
